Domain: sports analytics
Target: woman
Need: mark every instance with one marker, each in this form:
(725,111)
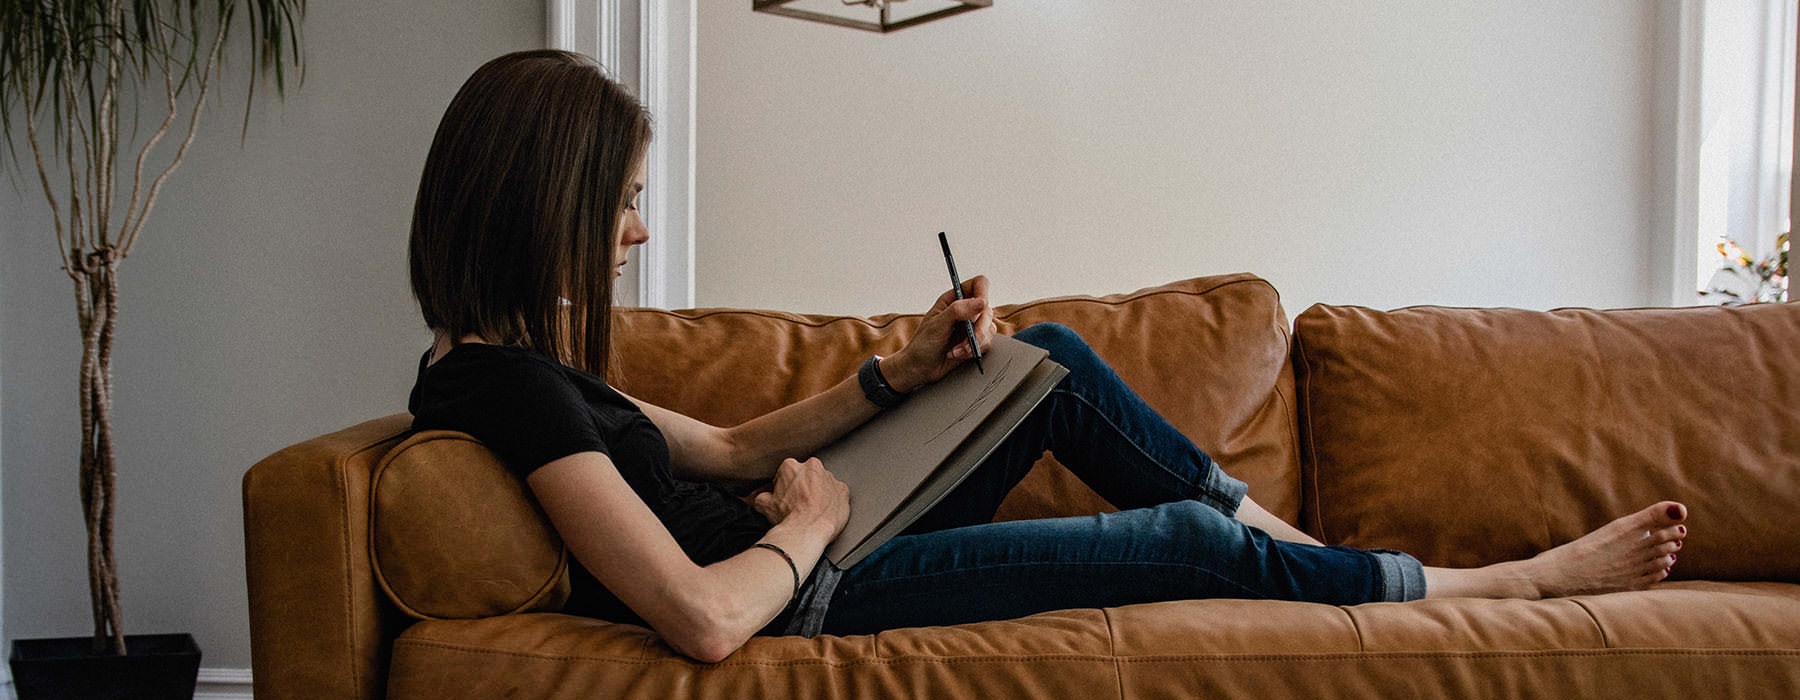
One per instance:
(527,202)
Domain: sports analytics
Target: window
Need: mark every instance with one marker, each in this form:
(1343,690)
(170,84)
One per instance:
(649,46)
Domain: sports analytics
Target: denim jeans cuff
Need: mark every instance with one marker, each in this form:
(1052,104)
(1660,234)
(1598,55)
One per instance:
(1223,492)
(1402,576)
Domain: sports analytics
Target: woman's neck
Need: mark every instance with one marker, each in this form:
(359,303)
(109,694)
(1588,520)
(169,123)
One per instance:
(441,344)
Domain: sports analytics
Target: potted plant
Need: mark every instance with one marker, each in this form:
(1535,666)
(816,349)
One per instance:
(1743,280)
(73,76)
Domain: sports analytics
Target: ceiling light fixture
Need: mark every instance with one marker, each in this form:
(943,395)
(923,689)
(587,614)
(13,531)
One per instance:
(880,16)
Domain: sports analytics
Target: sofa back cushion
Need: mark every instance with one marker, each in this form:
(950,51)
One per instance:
(455,535)
(1210,353)
(1467,437)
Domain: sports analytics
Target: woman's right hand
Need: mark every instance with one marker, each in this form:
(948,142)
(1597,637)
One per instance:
(806,491)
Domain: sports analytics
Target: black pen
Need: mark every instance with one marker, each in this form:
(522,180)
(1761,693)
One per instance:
(956,284)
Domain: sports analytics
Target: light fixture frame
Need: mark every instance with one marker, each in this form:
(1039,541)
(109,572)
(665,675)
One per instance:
(779,7)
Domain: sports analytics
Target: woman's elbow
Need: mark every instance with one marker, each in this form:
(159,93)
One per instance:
(714,653)
(711,630)
(707,646)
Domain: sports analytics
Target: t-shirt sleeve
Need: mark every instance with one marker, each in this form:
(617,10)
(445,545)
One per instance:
(527,412)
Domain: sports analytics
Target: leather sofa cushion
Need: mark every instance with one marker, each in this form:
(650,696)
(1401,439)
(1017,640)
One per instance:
(454,534)
(1697,639)
(1211,354)
(1471,436)
(1687,639)
(562,656)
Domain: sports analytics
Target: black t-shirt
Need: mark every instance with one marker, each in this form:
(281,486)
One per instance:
(531,411)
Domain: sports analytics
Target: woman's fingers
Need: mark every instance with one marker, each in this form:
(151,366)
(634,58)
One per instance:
(988,325)
(976,287)
(973,288)
(940,343)
(943,300)
(805,489)
(967,310)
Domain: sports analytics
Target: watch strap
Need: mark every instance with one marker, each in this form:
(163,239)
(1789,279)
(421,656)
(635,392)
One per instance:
(875,387)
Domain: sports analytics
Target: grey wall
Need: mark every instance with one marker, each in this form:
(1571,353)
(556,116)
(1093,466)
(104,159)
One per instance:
(266,304)
(1374,152)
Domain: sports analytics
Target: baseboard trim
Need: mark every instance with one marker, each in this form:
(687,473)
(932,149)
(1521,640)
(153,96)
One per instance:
(212,684)
(223,684)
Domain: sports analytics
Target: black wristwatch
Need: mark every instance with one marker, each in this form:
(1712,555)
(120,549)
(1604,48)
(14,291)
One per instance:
(875,387)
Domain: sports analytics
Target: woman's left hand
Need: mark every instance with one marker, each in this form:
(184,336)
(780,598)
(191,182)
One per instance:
(940,344)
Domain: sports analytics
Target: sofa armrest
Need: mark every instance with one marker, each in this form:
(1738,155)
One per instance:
(319,627)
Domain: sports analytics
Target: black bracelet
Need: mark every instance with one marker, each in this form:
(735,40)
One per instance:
(875,387)
(795,570)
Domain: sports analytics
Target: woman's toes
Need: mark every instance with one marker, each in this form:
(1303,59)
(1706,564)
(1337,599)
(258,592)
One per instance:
(1653,522)
(1669,547)
(1649,578)
(1667,534)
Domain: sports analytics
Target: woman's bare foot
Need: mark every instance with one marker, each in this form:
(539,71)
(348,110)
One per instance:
(1627,554)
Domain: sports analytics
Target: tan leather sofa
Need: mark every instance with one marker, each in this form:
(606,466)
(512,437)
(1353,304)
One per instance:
(383,564)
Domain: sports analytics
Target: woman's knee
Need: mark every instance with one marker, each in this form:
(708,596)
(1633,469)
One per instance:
(1065,345)
(1194,520)
(1178,530)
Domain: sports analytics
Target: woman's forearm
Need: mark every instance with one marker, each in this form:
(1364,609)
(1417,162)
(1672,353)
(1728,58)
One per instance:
(799,429)
(740,595)
(802,428)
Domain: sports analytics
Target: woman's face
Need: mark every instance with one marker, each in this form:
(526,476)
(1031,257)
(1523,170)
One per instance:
(631,223)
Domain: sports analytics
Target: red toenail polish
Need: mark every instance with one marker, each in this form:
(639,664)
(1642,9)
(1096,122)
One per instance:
(1674,512)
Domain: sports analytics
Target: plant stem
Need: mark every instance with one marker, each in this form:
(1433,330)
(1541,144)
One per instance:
(97,304)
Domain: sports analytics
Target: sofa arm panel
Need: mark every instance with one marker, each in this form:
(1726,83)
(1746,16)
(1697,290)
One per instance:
(318,624)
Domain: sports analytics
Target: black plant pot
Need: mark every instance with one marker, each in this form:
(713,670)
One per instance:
(154,667)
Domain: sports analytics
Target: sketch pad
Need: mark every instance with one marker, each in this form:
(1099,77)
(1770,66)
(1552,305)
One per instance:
(906,459)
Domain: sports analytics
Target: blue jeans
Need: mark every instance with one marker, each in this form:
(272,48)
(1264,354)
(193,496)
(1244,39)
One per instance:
(1174,537)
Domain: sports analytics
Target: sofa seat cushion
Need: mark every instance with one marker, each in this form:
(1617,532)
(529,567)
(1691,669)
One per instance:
(548,655)
(1685,639)
(1471,436)
(1691,639)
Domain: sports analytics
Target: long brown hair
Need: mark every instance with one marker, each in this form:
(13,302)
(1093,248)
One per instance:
(519,203)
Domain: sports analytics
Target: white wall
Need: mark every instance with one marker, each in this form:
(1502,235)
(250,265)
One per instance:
(1375,152)
(267,303)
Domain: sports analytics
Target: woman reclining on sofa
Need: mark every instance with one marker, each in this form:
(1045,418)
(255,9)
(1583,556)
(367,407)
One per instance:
(525,213)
